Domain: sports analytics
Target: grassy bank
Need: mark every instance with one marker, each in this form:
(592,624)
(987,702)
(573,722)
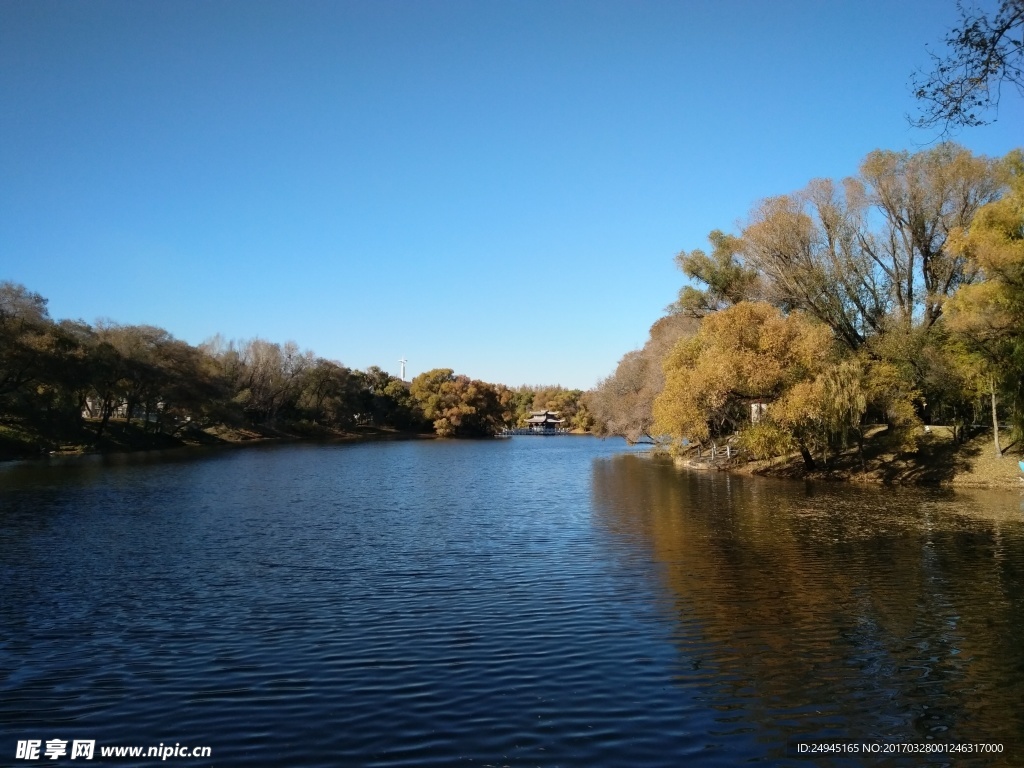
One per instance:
(21,442)
(938,460)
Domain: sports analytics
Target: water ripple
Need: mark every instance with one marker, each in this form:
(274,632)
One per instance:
(523,602)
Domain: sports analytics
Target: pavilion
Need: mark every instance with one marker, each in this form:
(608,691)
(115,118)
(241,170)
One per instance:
(544,422)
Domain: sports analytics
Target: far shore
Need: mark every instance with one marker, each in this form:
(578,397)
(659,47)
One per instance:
(17,445)
(123,438)
(938,460)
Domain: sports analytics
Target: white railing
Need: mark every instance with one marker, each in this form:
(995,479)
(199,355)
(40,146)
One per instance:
(529,431)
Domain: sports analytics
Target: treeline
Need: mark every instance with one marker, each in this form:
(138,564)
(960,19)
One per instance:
(893,297)
(65,381)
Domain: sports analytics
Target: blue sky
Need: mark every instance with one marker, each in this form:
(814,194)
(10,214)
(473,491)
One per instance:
(494,187)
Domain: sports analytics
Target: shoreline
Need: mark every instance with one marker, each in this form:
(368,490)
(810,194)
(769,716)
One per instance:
(124,439)
(937,462)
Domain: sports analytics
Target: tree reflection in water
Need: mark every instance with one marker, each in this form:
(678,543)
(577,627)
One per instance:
(815,611)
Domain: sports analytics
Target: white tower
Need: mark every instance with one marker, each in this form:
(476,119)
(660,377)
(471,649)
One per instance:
(403,361)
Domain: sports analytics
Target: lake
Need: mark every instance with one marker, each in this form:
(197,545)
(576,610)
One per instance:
(555,601)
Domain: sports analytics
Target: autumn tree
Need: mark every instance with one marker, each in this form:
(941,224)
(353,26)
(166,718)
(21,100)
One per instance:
(871,253)
(622,403)
(144,354)
(726,278)
(989,314)
(457,406)
(65,381)
(984,51)
(568,403)
(748,353)
(805,246)
(862,255)
(323,385)
(192,387)
(922,198)
(24,326)
(869,257)
(45,375)
(266,377)
(508,401)
(106,377)
(53,374)
(573,405)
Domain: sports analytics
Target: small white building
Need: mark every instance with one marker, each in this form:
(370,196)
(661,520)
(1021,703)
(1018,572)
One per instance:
(757,411)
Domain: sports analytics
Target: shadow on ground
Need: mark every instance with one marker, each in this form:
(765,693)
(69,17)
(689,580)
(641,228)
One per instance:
(938,460)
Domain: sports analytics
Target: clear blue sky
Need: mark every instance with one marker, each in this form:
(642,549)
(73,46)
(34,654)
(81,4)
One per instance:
(494,187)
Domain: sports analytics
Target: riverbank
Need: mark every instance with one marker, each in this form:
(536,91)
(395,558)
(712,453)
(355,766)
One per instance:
(17,442)
(937,461)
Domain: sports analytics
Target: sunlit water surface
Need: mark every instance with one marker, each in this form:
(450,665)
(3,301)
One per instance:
(532,601)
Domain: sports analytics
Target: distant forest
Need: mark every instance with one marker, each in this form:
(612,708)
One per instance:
(66,381)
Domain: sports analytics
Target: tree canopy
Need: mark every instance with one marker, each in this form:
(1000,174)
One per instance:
(750,353)
(893,297)
(989,314)
(457,405)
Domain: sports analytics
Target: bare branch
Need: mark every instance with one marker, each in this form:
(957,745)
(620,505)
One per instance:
(983,52)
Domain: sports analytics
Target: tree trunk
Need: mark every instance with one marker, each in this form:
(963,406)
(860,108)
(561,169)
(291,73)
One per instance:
(995,419)
(103,422)
(806,456)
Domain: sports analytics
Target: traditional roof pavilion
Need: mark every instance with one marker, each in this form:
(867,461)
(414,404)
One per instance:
(544,421)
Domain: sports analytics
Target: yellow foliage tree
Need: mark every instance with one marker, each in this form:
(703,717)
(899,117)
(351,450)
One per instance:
(748,353)
(457,405)
(989,314)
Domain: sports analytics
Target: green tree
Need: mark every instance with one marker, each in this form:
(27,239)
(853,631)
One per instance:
(520,403)
(387,400)
(727,279)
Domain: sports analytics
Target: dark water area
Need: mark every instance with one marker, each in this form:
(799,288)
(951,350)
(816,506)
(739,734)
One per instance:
(557,601)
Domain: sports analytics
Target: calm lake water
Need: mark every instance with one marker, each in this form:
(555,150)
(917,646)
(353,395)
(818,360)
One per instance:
(533,601)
